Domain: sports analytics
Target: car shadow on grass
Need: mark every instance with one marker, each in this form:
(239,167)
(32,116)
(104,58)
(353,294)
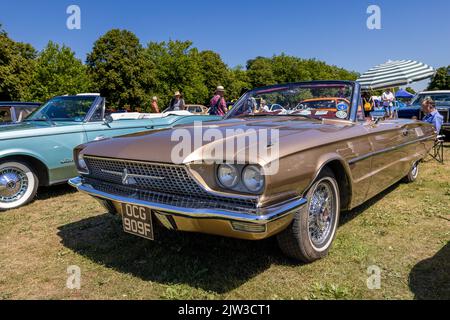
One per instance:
(45,193)
(212,263)
(430,278)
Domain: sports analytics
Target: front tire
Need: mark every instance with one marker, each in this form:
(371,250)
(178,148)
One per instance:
(18,184)
(313,229)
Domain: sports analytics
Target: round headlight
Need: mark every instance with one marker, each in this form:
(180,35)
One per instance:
(228,175)
(253,178)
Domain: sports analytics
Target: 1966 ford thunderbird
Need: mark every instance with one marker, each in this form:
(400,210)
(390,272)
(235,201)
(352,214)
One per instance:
(39,151)
(322,162)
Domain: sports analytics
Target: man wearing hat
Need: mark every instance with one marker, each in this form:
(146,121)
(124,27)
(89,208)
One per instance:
(177,102)
(218,105)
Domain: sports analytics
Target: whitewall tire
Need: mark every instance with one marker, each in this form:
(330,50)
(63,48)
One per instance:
(18,184)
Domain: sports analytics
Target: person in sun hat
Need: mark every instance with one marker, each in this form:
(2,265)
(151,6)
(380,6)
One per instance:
(218,105)
(177,102)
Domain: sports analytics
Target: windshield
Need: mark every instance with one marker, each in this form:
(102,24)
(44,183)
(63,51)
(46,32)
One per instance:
(441,99)
(64,109)
(312,100)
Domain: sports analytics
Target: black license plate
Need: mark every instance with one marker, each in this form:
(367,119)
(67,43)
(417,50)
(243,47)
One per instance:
(137,220)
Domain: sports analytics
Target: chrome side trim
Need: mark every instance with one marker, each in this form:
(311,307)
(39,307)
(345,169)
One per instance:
(264,215)
(375,153)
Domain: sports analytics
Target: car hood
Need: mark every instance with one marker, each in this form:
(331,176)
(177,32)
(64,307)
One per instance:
(173,145)
(31,129)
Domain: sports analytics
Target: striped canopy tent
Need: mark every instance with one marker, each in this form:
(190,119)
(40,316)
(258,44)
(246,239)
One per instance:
(395,74)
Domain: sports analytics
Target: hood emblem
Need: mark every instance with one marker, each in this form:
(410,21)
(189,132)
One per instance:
(130,178)
(127,179)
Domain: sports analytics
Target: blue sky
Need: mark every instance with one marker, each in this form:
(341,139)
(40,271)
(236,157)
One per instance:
(329,30)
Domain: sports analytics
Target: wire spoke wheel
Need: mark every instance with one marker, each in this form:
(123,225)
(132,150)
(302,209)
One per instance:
(313,228)
(321,214)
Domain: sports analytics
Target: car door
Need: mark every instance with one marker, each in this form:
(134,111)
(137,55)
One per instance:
(389,141)
(55,144)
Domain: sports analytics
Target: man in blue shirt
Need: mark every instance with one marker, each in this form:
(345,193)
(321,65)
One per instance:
(432,116)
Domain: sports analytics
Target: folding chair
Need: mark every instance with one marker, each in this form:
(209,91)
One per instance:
(437,153)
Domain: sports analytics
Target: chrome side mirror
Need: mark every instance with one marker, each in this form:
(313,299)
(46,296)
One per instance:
(107,120)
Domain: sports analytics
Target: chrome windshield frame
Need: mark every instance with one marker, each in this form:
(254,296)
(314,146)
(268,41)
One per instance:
(99,102)
(354,99)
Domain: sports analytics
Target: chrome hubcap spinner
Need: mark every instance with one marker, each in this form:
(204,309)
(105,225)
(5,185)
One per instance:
(13,184)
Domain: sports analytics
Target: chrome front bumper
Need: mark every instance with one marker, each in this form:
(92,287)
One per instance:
(236,224)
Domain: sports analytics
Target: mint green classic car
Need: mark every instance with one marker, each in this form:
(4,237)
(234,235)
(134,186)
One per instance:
(39,151)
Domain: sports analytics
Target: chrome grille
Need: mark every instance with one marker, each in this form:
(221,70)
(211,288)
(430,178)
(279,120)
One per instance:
(180,201)
(155,177)
(161,183)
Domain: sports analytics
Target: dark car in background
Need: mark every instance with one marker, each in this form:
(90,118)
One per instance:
(11,112)
(414,110)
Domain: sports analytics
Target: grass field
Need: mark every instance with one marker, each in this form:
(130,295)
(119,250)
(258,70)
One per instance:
(405,231)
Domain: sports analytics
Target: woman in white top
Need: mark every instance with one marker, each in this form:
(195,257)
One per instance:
(388,102)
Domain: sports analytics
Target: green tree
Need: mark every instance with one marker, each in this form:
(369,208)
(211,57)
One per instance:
(290,69)
(58,72)
(16,67)
(283,68)
(120,70)
(237,81)
(441,80)
(178,67)
(214,71)
(260,72)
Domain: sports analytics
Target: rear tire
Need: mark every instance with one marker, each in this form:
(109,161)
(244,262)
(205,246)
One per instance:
(313,229)
(18,184)
(413,173)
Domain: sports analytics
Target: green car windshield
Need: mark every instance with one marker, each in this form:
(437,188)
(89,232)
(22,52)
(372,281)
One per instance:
(64,109)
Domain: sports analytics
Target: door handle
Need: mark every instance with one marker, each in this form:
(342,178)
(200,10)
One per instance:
(98,138)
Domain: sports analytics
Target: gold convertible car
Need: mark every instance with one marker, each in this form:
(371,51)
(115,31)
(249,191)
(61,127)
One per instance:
(255,175)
